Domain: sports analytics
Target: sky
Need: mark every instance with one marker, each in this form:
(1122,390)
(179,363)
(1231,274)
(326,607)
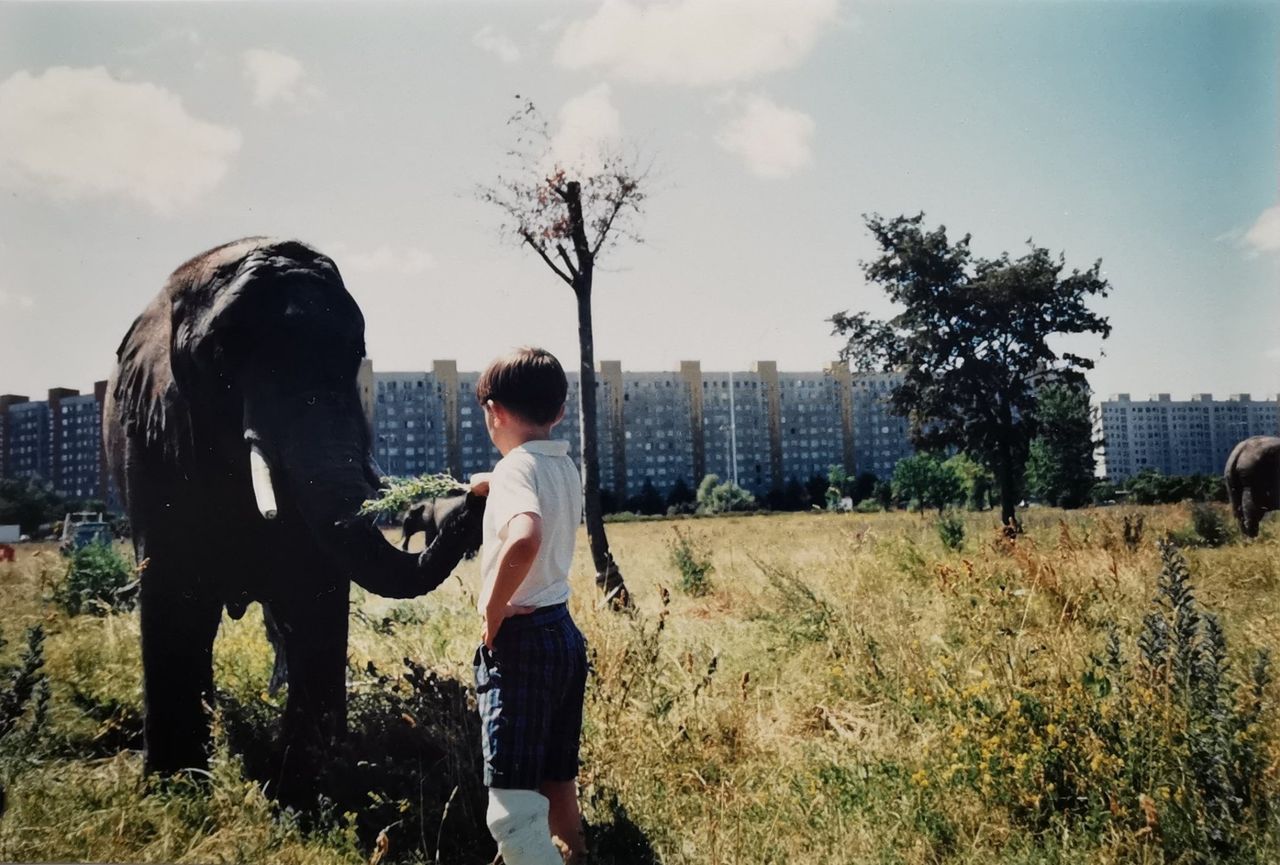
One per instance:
(1143,134)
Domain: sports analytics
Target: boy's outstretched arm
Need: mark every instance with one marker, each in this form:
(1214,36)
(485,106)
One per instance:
(519,549)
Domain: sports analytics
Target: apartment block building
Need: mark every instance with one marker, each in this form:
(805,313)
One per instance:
(1180,437)
(760,427)
(58,439)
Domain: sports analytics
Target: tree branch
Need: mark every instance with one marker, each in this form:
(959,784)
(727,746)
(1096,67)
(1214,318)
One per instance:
(528,238)
(603,235)
(564,256)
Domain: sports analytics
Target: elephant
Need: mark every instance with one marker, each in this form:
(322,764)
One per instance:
(235,434)
(1253,480)
(427,517)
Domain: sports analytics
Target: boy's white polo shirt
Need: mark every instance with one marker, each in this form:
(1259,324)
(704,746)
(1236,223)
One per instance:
(538,477)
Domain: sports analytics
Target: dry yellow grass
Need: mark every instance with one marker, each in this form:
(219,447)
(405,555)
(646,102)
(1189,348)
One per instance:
(849,691)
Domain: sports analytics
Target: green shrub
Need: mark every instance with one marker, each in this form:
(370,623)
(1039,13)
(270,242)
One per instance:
(1209,523)
(715,497)
(99,580)
(1171,731)
(692,559)
(951,530)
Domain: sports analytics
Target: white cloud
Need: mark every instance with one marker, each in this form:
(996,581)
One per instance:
(695,42)
(384,259)
(78,133)
(772,140)
(275,77)
(496,44)
(588,124)
(1272,354)
(1264,236)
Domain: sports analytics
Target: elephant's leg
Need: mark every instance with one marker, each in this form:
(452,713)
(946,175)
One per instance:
(314,631)
(179,623)
(1250,513)
(280,669)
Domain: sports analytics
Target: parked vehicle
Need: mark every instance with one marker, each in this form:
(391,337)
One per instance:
(84,528)
(9,534)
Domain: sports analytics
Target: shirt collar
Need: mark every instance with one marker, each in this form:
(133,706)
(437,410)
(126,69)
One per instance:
(546,447)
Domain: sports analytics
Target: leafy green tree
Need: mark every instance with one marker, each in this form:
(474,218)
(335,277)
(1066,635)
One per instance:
(978,480)
(1060,463)
(1102,492)
(29,503)
(972,341)
(1151,487)
(839,485)
(927,481)
(715,497)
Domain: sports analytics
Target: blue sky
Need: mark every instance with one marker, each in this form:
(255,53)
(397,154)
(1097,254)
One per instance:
(1144,134)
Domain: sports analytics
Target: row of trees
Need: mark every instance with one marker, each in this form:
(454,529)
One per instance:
(31,504)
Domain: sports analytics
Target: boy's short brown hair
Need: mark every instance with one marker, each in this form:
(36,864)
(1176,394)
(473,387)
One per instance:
(528,381)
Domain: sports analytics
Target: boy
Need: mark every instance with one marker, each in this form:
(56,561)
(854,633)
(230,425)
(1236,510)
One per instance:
(531,668)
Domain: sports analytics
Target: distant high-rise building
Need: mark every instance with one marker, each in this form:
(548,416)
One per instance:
(761,428)
(57,440)
(1177,437)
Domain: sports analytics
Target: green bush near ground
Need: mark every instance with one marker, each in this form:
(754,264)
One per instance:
(99,580)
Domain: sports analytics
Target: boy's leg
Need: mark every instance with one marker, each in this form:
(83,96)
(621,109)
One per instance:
(512,696)
(559,784)
(565,817)
(518,821)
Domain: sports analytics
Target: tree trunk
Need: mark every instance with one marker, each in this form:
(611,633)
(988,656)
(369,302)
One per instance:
(608,577)
(1008,499)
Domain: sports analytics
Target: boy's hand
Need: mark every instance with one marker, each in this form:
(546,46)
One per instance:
(480,483)
(493,619)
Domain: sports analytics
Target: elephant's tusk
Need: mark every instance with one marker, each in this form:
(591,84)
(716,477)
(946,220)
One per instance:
(263,492)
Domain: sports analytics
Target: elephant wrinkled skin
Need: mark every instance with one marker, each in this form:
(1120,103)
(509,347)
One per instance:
(1253,481)
(253,346)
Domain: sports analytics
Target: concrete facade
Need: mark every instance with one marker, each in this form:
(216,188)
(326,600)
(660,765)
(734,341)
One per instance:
(58,440)
(1180,437)
(760,427)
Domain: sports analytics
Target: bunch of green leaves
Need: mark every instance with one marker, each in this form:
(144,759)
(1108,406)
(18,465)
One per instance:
(397,494)
(99,580)
(951,531)
(692,558)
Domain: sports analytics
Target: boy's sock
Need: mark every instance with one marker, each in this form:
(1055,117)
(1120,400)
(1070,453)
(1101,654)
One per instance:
(518,822)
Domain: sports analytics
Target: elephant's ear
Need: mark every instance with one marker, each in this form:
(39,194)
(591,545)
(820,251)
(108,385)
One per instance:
(152,407)
(234,284)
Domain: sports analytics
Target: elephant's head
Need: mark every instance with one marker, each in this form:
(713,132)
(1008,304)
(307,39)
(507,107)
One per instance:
(265,346)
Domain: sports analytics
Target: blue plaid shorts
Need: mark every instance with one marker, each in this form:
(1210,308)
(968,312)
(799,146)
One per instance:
(530,689)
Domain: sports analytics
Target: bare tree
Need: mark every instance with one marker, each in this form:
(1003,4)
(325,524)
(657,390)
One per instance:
(569,215)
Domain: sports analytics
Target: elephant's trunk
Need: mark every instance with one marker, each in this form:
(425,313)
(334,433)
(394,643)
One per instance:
(324,465)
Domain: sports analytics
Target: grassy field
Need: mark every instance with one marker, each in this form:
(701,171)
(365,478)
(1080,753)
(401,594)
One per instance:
(847,689)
